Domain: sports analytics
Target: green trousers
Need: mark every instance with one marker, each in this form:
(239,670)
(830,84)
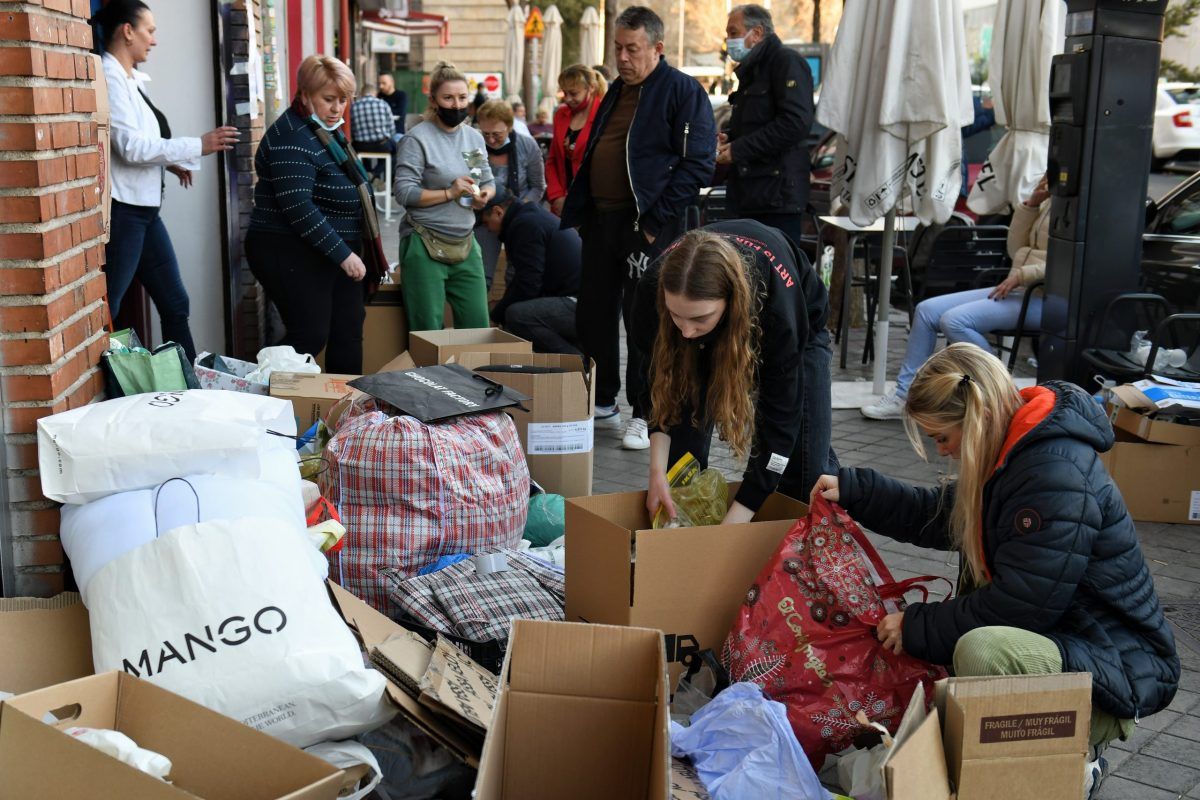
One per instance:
(1000,650)
(429,285)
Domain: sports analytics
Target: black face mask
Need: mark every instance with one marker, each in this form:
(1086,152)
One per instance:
(452,117)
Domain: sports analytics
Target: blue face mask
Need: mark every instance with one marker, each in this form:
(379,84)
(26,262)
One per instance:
(330,128)
(737,49)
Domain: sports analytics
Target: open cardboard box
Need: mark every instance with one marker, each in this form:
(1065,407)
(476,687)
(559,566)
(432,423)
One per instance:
(430,348)
(1135,413)
(312,394)
(686,582)
(1159,482)
(1020,737)
(556,434)
(582,712)
(48,665)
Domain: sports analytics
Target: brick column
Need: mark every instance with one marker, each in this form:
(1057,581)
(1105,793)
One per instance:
(52,310)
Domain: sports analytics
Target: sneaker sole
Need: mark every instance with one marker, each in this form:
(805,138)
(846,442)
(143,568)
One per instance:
(878,416)
(642,445)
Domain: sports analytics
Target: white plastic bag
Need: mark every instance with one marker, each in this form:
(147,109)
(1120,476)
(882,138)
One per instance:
(230,615)
(124,749)
(282,358)
(346,756)
(139,441)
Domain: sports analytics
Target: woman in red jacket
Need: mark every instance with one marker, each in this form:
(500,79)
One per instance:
(582,89)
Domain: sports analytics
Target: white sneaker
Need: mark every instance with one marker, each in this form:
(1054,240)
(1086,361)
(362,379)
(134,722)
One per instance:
(636,436)
(890,406)
(608,417)
(1094,772)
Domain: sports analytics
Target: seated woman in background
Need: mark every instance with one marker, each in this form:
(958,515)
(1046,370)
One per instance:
(969,316)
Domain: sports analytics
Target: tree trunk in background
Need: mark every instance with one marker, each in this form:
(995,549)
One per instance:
(816,30)
(610,27)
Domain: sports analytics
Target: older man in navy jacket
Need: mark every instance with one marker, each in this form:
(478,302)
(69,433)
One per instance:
(652,147)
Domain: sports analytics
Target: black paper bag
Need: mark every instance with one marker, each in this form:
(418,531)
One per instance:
(432,394)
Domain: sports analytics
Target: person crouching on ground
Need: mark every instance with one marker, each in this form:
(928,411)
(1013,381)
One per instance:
(1052,578)
(734,317)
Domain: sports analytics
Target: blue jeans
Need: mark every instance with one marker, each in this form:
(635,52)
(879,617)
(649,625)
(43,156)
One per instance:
(962,317)
(140,246)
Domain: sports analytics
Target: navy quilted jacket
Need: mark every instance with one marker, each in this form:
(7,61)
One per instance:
(1060,547)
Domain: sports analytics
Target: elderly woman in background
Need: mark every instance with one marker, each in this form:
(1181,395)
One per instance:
(517,165)
(306,230)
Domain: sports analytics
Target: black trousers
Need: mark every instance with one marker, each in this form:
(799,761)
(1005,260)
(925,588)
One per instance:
(321,307)
(614,258)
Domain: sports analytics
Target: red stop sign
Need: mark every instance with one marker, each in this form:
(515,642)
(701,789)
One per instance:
(492,83)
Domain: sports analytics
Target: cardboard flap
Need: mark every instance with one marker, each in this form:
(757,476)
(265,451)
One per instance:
(44,642)
(475,360)
(459,685)
(915,766)
(597,661)
(1132,397)
(437,347)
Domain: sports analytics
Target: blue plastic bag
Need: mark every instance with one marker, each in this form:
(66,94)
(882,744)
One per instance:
(743,748)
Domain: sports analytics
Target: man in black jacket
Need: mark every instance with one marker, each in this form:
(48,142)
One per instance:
(765,146)
(539,301)
(650,150)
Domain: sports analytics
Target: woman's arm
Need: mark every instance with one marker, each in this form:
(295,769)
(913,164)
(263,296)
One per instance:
(535,171)
(658,492)
(135,146)
(906,513)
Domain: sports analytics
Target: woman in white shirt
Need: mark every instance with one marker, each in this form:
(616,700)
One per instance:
(142,147)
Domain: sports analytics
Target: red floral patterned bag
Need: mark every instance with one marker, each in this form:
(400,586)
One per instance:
(806,634)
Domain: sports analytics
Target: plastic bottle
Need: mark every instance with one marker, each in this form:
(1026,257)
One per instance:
(826,269)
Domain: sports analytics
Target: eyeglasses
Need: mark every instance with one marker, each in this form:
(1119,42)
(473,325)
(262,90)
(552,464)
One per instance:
(497,136)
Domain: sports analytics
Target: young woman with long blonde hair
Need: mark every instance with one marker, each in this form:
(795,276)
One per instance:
(1051,577)
(735,317)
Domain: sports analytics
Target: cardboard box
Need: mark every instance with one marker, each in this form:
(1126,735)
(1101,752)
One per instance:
(103,144)
(44,642)
(430,348)
(212,755)
(1136,414)
(1159,482)
(402,361)
(686,582)
(312,395)
(582,713)
(1021,737)
(557,433)
(385,329)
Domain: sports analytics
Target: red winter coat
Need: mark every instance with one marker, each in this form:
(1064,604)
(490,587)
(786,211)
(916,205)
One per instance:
(556,162)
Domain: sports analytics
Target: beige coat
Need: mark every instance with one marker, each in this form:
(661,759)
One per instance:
(1028,236)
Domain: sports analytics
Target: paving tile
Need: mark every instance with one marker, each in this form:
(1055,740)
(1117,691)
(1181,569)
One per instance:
(1175,749)
(1158,722)
(1117,788)
(1185,702)
(1155,772)
(1186,727)
(1140,737)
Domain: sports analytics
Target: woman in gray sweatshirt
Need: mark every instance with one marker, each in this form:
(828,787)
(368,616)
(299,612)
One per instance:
(440,260)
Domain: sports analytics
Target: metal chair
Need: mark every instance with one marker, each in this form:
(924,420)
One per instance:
(1110,355)
(959,255)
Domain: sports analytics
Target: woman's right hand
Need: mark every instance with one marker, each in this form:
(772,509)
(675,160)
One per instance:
(659,494)
(1040,193)
(222,138)
(827,487)
(557,205)
(354,267)
(462,186)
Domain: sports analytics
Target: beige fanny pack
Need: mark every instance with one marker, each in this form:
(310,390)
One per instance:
(443,248)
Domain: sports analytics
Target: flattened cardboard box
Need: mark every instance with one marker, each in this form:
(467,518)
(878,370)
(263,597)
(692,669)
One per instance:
(556,434)
(312,395)
(686,582)
(430,348)
(1159,482)
(212,756)
(582,713)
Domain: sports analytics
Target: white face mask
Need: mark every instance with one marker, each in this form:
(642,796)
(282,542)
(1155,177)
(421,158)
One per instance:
(330,128)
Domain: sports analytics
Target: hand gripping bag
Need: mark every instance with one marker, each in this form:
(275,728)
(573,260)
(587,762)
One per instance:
(806,634)
(409,492)
(231,615)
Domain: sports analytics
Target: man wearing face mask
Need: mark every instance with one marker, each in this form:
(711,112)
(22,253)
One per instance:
(650,149)
(765,146)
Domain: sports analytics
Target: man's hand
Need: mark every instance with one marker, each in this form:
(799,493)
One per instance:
(184,175)
(725,153)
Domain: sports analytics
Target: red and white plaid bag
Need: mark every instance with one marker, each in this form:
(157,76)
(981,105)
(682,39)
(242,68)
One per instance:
(409,493)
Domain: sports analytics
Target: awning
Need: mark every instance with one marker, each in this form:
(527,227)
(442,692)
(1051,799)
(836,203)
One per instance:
(414,23)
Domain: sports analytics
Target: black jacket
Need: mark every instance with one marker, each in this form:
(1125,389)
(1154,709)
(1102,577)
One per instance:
(672,146)
(545,259)
(1060,546)
(795,307)
(772,115)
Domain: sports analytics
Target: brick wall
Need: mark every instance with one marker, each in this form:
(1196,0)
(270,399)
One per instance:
(52,310)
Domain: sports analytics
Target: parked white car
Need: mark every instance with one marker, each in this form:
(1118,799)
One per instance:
(1177,120)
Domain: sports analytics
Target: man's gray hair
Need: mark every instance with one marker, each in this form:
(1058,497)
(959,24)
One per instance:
(755,16)
(636,17)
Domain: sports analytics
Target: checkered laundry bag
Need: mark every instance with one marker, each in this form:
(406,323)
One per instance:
(409,492)
(459,601)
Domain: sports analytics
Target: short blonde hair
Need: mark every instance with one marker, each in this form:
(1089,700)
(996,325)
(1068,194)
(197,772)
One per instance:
(495,111)
(317,71)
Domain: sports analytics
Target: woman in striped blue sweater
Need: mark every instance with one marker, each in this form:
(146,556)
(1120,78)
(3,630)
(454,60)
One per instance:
(306,230)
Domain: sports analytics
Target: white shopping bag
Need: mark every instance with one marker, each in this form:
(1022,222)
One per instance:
(282,358)
(140,441)
(231,615)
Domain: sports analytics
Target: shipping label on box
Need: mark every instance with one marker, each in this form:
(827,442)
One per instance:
(430,348)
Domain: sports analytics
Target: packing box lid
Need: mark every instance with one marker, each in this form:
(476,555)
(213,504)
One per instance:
(437,347)
(322,385)
(212,755)
(1135,413)
(44,642)
(602,690)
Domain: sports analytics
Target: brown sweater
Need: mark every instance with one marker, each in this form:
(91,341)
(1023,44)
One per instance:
(609,177)
(1028,237)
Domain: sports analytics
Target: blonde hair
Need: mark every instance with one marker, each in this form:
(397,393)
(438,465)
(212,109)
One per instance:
(317,71)
(444,72)
(968,386)
(705,266)
(582,75)
(495,111)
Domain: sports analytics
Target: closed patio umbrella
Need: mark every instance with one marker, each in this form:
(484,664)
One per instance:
(514,50)
(552,57)
(896,91)
(1025,36)
(591,36)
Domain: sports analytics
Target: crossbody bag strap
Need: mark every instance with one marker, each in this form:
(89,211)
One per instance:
(348,160)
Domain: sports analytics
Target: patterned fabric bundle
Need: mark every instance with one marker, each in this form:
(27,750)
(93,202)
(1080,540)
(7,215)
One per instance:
(410,492)
(459,601)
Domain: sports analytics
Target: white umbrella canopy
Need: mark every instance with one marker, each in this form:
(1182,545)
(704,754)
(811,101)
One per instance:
(514,50)
(552,57)
(1026,35)
(591,38)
